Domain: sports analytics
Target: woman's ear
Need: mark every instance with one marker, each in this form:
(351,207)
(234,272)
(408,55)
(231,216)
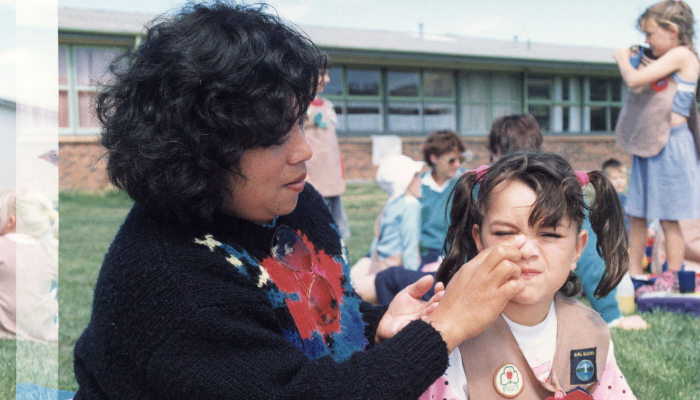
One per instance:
(581,240)
(477,238)
(433,158)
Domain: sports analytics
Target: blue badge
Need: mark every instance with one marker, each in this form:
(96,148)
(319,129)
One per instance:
(583,366)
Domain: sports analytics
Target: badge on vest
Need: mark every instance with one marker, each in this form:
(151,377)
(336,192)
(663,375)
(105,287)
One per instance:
(508,381)
(583,366)
(660,85)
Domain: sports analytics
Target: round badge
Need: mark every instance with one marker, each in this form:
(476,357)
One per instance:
(660,85)
(508,381)
(585,370)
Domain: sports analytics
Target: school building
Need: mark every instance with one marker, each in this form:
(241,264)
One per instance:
(384,85)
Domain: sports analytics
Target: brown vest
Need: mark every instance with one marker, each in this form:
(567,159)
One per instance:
(583,339)
(644,124)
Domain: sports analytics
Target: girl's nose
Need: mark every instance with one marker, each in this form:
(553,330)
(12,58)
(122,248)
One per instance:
(531,248)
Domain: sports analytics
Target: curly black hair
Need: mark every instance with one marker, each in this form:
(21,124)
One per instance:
(204,86)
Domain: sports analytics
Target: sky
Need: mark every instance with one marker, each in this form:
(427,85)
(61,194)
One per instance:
(596,23)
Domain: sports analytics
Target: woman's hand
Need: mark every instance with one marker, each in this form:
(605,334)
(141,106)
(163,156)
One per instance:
(407,306)
(477,293)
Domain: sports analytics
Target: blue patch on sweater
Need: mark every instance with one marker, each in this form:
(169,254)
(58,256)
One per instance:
(293,337)
(349,341)
(314,347)
(276,298)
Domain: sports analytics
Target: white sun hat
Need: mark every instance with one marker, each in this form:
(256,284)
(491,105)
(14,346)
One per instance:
(395,173)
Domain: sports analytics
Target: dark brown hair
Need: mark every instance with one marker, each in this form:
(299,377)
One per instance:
(559,195)
(512,133)
(441,142)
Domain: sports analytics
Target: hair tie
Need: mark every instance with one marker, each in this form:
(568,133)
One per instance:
(582,177)
(480,171)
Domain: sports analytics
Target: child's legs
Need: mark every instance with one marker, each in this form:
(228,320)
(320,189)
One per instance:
(637,243)
(675,246)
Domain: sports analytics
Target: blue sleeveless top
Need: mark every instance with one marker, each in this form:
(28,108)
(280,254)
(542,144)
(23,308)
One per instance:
(685,96)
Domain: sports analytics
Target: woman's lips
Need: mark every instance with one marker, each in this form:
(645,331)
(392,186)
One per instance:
(298,184)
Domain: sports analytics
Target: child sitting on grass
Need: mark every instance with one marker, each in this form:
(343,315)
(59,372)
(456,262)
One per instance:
(397,229)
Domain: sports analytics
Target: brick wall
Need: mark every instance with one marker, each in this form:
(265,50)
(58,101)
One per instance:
(80,166)
(583,152)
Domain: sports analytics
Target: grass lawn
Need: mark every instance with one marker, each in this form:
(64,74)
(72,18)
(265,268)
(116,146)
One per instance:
(659,363)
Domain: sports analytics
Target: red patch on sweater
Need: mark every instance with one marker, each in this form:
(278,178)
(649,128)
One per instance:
(309,315)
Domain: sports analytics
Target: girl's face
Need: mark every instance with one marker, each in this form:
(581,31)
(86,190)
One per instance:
(275,177)
(660,40)
(549,252)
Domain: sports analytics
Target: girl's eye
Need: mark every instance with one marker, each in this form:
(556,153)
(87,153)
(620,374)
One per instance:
(503,233)
(550,235)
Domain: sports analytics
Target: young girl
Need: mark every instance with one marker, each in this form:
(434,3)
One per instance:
(659,126)
(543,344)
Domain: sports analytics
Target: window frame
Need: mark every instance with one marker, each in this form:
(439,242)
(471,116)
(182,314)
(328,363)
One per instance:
(73,88)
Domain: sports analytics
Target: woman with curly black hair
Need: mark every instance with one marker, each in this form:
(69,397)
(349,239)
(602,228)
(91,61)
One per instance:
(227,278)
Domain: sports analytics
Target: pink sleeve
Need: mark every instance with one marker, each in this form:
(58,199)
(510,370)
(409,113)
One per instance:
(613,385)
(440,389)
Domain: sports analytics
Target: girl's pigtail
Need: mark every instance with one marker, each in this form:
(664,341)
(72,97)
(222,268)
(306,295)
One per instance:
(572,286)
(459,242)
(608,223)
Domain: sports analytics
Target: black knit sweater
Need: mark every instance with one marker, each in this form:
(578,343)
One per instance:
(186,314)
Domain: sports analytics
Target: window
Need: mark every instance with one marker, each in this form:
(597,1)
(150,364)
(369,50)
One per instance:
(419,102)
(403,84)
(404,109)
(555,102)
(485,97)
(362,82)
(439,107)
(602,104)
(574,104)
(335,85)
(415,102)
(359,108)
(80,70)
(402,102)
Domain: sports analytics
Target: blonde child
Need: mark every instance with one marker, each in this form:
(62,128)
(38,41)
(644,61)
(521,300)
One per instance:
(544,343)
(659,126)
(28,267)
(397,229)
